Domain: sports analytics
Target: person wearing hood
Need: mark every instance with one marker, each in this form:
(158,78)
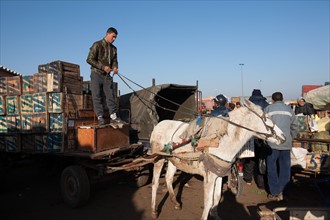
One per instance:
(304,107)
(249,168)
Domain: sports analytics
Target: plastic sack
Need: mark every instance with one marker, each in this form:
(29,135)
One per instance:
(298,157)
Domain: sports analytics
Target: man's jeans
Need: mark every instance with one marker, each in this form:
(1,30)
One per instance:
(99,84)
(278,179)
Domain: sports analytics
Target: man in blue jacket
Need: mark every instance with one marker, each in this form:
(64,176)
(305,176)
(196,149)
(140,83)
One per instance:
(283,116)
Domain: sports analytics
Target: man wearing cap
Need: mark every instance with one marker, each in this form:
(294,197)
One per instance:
(103,60)
(220,106)
(304,108)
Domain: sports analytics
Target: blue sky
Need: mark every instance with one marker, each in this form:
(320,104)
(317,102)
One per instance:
(282,44)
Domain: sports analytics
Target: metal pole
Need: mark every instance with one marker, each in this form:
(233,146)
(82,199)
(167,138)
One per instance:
(242,64)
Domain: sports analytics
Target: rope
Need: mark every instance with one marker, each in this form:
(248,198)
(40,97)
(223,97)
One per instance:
(189,111)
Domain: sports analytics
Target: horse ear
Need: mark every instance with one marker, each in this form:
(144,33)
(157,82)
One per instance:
(246,102)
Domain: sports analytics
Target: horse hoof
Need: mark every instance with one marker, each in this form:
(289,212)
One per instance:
(177,207)
(154,215)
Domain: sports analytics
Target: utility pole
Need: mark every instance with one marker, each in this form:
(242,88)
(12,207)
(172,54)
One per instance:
(242,64)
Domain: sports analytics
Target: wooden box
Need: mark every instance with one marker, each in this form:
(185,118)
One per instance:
(27,84)
(55,102)
(26,121)
(100,138)
(57,122)
(3,85)
(87,101)
(27,143)
(14,85)
(70,137)
(13,143)
(39,101)
(39,122)
(14,123)
(54,82)
(40,82)
(72,103)
(40,142)
(12,105)
(2,142)
(2,105)
(3,124)
(26,104)
(55,142)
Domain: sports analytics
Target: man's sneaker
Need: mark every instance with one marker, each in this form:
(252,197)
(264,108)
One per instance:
(114,118)
(100,120)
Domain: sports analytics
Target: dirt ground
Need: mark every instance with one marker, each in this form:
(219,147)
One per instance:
(27,195)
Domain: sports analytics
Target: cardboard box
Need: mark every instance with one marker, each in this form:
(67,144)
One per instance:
(100,138)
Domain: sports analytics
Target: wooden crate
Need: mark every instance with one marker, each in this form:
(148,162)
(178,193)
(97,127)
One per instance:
(55,102)
(12,105)
(13,143)
(3,85)
(39,102)
(55,142)
(2,105)
(66,68)
(72,103)
(73,85)
(54,82)
(87,101)
(3,124)
(14,85)
(26,103)
(2,143)
(318,162)
(27,143)
(14,123)
(39,122)
(40,82)
(27,123)
(87,87)
(28,83)
(57,122)
(40,142)
(100,138)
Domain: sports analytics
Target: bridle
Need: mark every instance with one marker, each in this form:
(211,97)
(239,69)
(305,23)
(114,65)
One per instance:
(262,117)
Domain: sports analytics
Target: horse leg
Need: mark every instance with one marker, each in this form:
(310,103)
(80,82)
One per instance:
(155,183)
(216,198)
(171,169)
(212,193)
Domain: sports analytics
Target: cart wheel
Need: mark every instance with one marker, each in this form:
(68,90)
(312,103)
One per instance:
(143,176)
(75,186)
(235,180)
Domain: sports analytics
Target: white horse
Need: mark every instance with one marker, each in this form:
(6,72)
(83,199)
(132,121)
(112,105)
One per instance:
(239,127)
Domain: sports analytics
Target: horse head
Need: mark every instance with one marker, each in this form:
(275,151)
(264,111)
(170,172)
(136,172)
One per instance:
(261,124)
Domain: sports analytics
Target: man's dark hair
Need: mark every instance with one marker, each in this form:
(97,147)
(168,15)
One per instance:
(277,96)
(112,30)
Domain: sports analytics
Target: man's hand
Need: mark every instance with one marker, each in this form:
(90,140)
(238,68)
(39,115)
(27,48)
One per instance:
(115,70)
(107,69)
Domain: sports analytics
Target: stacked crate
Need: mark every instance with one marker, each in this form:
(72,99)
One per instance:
(35,110)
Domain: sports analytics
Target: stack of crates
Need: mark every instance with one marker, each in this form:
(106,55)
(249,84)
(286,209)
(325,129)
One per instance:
(35,109)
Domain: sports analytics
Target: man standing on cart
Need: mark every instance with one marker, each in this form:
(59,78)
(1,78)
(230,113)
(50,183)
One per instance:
(104,64)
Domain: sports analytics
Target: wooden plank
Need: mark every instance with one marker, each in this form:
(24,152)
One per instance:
(12,105)
(3,85)
(26,104)
(2,105)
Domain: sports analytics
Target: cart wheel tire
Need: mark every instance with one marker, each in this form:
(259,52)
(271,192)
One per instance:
(143,176)
(235,181)
(75,187)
